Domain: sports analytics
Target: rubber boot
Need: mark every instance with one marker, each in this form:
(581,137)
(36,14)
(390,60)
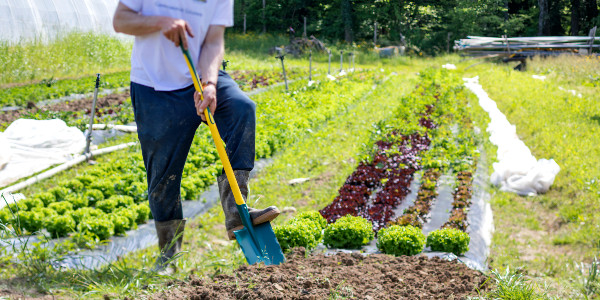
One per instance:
(233,221)
(170,237)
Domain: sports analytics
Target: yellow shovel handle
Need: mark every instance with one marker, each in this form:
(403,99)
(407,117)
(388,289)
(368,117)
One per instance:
(239,200)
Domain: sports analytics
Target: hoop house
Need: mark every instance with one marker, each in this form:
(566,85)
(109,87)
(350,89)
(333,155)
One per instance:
(22,20)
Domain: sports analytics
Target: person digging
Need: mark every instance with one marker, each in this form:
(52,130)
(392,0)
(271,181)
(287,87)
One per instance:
(168,111)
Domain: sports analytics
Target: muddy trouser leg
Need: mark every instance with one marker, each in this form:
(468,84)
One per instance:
(167,122)
(235,118)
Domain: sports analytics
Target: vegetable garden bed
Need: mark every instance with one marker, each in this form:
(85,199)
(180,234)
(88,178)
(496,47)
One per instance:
(112,194)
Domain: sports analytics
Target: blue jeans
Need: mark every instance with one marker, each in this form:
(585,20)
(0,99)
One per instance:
(167,122)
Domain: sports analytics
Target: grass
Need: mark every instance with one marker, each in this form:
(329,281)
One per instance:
(547,236)
(70,55)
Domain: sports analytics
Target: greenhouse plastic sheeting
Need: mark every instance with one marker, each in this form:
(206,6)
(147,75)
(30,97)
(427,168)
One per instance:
(34,145)
(517,170)
(45,19)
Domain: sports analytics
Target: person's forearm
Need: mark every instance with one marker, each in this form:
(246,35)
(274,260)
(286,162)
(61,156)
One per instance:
(130,22)
(210,60)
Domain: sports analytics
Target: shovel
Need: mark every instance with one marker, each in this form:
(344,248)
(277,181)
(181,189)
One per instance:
(258,242)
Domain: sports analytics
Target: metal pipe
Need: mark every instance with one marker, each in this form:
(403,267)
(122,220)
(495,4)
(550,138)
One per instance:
(88,139)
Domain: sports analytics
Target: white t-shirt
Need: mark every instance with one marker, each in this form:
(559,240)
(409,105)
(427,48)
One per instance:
(156,61)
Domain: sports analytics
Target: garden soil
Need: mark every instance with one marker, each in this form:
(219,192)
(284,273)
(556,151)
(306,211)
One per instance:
(111,100)
(343,275)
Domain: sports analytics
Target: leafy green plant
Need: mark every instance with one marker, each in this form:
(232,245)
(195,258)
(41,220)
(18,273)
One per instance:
(78,201)
(105,185)
(400,240)
(59,192)
(131,215)
(60,225)
(103,228)
(107,205)
(87,213)
(314,216)
(449,240)
(32,221)
(122,200)
(121,223)
(348,232)
(32,203)
(61,207)
(93,196)
(74,185)
(143,212)
(45,197)
(298,233)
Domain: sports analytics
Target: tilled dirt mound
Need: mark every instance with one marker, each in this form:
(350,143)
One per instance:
(348,276)
(85,105)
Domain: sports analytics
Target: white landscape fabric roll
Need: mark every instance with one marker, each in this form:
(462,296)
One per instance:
(34,145)
(517,170)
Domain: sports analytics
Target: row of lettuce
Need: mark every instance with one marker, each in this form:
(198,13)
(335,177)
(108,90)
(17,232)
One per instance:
(53,88)
(94,202)
(430,132)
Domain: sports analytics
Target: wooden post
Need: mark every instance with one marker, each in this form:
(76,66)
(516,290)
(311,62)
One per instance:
(304,34)
(375,34)
(448,42)
(244,23)
(264,18)
(592,39)
(341,60)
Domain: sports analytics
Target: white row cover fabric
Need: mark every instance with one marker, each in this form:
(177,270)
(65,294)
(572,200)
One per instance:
(517,170)
(22,20)
(31,146)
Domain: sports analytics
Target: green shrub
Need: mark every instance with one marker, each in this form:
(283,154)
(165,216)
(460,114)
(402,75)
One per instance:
(59,192)
(59,226)
(400,240)
(93,196)
(78,201)
(61,207)
(143,212)
(449,240)
(130,213)
(32,221)
(299,233)
(106,186)
(107,205)
(32,203)
(103,228)
(46,198)
(314,216)
(122,201)
(73,185)
(86,213)
(121,223)
(348,232)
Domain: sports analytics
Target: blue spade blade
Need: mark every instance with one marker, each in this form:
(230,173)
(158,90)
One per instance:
(263,247)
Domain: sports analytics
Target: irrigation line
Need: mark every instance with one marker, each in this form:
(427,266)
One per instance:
(65,166)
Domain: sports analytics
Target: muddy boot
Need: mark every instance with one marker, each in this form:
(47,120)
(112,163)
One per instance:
(167,231)
(233,221)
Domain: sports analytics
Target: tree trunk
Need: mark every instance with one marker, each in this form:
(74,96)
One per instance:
(347,20)
(543,18)
(575,8)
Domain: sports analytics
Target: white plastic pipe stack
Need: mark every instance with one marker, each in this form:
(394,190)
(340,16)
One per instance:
(517,170)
